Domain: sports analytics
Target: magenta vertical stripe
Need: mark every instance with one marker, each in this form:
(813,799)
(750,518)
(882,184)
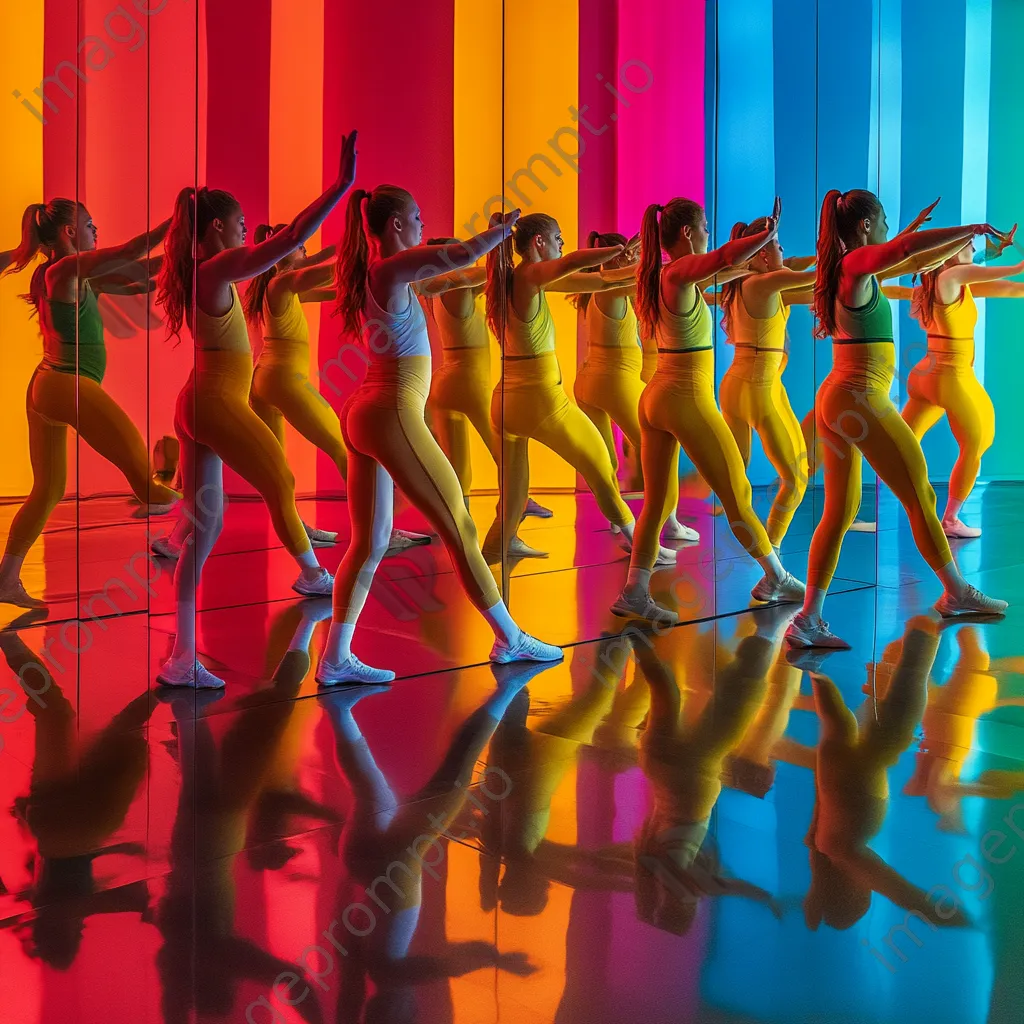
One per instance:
(661,135)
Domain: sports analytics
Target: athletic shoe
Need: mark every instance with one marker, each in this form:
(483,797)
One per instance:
(787,588)
(533,509)
(640,605)
(675,530)
(525,648)
(973,602)
(320,585)
(351,670)
(959,530)
(665,557)
(863,526)
(804,631)
(517,548)
(163,547)
(402,540)
(188,673)
(320,538)
(16,594)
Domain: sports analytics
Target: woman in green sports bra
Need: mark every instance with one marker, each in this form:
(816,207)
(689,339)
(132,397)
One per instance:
(66,388)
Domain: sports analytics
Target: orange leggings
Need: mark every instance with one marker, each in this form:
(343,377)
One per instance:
(388,442)
(56,401)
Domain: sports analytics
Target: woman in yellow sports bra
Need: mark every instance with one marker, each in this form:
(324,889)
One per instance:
(66,389)
(752,395)
(678,407)
(854,414)
(944,381)
(205,255)
(530,402)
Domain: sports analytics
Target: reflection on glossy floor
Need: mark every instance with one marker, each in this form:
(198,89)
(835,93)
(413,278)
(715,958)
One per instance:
(684,827)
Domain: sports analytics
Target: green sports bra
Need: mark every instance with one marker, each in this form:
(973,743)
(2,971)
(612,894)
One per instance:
(73,337)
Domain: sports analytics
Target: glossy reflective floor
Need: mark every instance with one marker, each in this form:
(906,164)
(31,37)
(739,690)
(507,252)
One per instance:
(665,828)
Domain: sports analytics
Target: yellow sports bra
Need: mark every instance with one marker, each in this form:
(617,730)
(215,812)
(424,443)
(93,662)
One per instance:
(951,332)
(605,332)
(684,332)
(527,339)
(762,334)
(226,333)
(458,332)
(291,325)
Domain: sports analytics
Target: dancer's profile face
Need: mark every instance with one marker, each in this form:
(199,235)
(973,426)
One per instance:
(772,255)
(698,235)
(878,229)
(85,231)
(410,230)
(550,243)
(233,231)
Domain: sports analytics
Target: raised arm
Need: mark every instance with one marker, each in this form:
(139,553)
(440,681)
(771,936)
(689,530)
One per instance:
(621,282)
(762,287)
(550,273)
(426,262)
(868,260)
(102,262)
(243,263)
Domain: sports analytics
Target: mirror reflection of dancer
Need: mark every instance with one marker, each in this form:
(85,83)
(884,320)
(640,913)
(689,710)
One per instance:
(213,420)
(679,407)
(384,837)
(384,427)
(852,791)
(944,381)
(609,384)
(66,389)
(460,391)
(855,416)
(78,798)
(752,395)
(530,402)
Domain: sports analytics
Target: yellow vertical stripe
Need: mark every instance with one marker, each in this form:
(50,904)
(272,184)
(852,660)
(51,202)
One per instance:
(296,155)
(21,183)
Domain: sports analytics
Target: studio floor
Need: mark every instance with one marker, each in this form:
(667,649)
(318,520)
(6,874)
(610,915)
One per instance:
(690,825)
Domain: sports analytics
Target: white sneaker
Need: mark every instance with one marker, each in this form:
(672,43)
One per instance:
(16,594)
(517,548)
(973,602)
(787,589)
(640,605)
(863,526)
(525,648)
(319,586)
(665,556)
(675,530)
(806,631)
(188,673)
(163,547)
(402,540)
(351,670)
(959,530)
(320,538)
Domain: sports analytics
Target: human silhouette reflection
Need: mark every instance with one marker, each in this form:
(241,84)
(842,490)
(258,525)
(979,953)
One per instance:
(202,962)
(78,798)
(852,788)
(381,838)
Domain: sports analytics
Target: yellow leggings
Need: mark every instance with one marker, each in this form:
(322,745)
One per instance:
(530,403)
(388,443)
(956,392)
(678,408)
(753,398)
(608,389)
(213,413)
(56,401)
(281,392)
(460,398)
(855,416)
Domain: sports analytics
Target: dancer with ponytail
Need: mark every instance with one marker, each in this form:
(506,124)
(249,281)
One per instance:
(854,414)
(530,401)
(384,427)
(610,382)
(678,407)
(460,392)
(752,395)
(66,389)
(206,255)
(944,381)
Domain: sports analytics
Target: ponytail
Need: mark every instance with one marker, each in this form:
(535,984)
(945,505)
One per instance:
(840,213)
(40,229)
(731,290)
(648,277)
(596,240)
(194,211)
(922,305)
(256,293)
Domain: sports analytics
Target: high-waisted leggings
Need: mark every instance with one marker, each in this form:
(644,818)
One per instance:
(753,398)
(213,418)
(282,392)
(388,442)
(530,403)
(460,398)
(608,389)
(936,388)
(56,401)
(678,408)
(855,416)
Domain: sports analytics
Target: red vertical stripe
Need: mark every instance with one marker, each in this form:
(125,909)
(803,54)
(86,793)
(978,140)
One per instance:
(63,113)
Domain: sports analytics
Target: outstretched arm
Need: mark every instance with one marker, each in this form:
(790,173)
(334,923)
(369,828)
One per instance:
(323,256)
(800,262)
(897,291)
(309,279)
(426,262)
(102,262)
(619,282)
(565,270)
(968,273)
(454,280)
(762,287)
(880,260)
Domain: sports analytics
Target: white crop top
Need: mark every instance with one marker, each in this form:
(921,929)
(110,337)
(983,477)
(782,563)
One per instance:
(394,336)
